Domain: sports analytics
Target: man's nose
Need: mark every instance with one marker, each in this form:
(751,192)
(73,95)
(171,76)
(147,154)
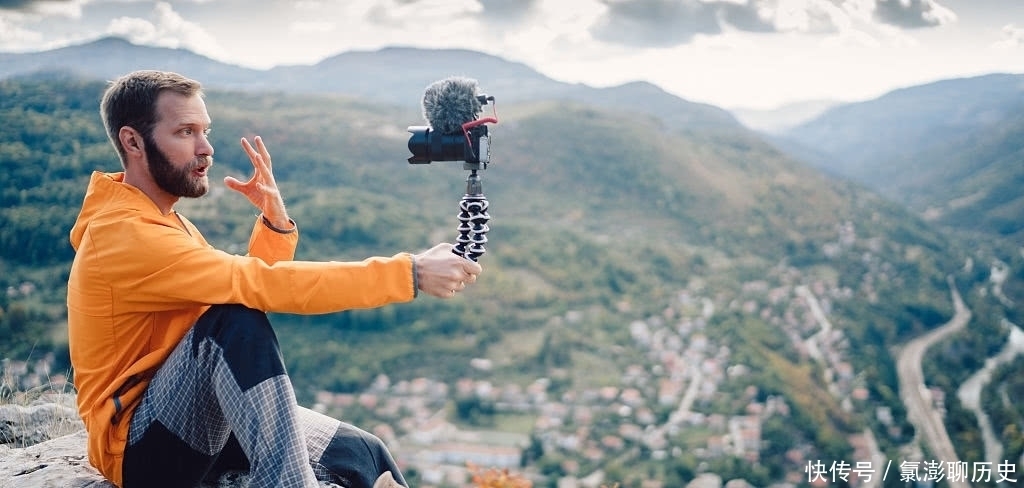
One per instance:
(205,147)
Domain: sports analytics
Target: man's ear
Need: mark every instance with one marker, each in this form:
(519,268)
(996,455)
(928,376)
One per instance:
(131,140)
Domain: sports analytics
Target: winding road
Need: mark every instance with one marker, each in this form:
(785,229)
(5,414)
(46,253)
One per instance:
(926,420)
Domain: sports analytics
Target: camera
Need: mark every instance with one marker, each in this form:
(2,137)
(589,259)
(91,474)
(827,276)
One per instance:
(469,144)
(456,132)
(427,145)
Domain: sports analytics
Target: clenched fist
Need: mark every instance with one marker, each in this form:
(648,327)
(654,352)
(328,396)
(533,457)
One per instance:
(442,274)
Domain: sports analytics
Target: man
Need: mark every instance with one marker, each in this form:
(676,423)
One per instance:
(178,370)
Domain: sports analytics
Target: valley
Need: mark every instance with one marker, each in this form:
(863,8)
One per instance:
(667,294)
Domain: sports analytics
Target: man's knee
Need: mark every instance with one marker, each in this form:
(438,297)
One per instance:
(352,443)
(246,340)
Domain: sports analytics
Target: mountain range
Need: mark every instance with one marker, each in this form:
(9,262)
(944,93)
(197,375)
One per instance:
(391,75)
(923,147)
(610,207)
(950,150)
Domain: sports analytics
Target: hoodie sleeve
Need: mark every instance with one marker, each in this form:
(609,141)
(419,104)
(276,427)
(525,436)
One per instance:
(272,245)
(152,265)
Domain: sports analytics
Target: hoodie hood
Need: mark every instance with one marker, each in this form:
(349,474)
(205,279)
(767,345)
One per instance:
(104,188)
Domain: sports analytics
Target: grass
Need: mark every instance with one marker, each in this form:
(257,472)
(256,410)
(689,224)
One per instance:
(56,395)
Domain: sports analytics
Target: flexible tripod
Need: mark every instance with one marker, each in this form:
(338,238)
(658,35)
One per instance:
(473,218)
(472,147)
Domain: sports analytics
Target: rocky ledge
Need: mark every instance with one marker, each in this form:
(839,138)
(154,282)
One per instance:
(59,462)
(43,445)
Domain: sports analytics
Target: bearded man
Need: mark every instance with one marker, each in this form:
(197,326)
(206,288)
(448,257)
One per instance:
(178,370)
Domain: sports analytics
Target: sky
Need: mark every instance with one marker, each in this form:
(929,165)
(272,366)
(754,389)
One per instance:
(752,54)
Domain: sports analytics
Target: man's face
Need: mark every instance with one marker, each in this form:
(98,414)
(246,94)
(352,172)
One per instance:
(177,151)
(188,180)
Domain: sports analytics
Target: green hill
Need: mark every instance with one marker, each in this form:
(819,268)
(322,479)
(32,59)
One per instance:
(600,219)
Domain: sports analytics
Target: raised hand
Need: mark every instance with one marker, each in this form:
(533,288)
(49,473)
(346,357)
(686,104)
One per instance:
(261,189)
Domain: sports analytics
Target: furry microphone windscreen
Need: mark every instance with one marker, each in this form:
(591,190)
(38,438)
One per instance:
(451,102)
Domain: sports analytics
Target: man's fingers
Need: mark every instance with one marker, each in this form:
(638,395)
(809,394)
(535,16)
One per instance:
(471,269)
(249,151)
(445,293)
(263,151)
(234,184)
(259,156)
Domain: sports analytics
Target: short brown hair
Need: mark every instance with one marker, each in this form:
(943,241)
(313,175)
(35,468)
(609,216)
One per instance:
(131,101)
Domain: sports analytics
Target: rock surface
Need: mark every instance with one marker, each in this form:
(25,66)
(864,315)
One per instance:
(43,445)
(55,456)
(56,463)
(63,463)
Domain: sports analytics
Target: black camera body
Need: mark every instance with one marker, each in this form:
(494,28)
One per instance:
(461,140)
(472,147)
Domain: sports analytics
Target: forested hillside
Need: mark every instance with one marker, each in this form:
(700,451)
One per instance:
(949,150)
(607,228)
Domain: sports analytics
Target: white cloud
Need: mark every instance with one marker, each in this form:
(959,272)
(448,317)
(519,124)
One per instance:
(746,52)
(312,26)
(134,29)
(913,14)
(556,33)
(167,29)
(413,15)
(61,8)
(1012,37)
(806,16)
(17,37)
(939,15)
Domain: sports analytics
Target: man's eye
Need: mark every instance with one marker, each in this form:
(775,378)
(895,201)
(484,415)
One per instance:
(186,131)
(206,132)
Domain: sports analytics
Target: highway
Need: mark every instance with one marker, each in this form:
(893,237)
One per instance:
(914,394)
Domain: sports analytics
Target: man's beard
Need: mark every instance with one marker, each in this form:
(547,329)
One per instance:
(180,182)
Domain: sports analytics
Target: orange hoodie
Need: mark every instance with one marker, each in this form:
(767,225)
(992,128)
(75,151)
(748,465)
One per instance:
(140,279)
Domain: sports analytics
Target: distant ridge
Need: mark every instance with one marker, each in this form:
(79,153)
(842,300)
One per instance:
(109,57)
(393,75)
(951,150)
